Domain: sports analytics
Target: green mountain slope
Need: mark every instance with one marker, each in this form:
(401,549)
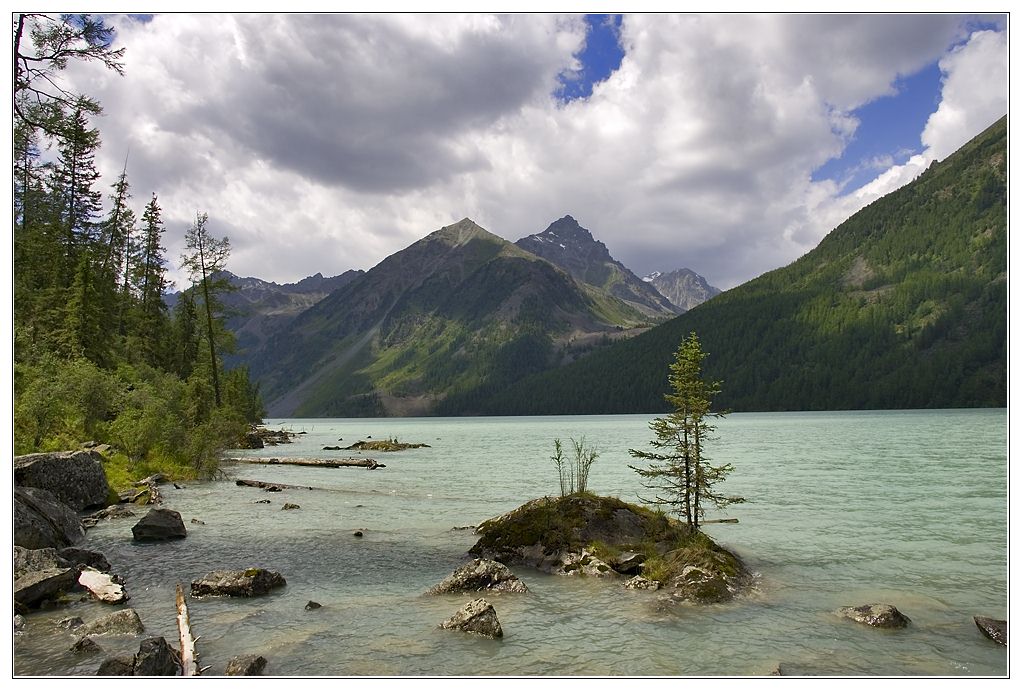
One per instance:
(904,305)
(449,320)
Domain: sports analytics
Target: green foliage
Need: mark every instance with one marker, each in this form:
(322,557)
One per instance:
(679,467)
(94,358)
(904,305)
(574,474)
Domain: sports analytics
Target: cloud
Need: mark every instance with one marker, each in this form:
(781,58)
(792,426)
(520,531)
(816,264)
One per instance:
(327,142)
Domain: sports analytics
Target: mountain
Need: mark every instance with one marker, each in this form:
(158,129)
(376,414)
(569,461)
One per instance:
(447,321)
(570,246)
(683,287)
(257,308)
(904,305)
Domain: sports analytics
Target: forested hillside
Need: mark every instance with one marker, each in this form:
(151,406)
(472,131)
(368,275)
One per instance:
(97,355)
(902,306)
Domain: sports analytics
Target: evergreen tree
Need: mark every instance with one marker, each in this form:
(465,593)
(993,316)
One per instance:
(40,100)
(682,471)
(148,280)
(208,257)
(75,176)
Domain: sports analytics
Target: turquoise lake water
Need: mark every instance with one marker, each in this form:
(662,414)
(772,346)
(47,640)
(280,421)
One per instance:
(844,508)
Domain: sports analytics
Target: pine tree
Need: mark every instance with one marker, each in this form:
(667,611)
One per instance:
(148,281)
(682,471)
(207,258)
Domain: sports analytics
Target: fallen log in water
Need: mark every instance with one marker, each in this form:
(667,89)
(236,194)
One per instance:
(320,463)
(189,664)
(720,521)
(271,486)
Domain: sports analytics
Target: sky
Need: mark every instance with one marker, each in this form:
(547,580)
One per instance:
(726,143)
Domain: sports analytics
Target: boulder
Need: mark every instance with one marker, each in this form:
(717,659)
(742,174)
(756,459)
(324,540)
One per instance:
(115,666)
(102,586)
(19,624)
(290,505)
(583,562)
(26,561)
(125,621)
(995,630)
(85,645)
(155,657)
(85,558)
(239,583)
(42,521)
(476,617)
(32,588)
(249,664)
(75,478)
(480,575)
(876,615)
(159,524)
(699,585)
(628,563)
(312,605)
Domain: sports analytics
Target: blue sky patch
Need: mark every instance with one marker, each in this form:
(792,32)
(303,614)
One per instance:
(600,57)
(888,133)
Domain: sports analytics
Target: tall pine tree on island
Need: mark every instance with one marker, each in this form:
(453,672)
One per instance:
(679,471)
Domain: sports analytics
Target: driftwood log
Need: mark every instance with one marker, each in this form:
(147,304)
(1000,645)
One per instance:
(271,486)
(321,463)
(189,664)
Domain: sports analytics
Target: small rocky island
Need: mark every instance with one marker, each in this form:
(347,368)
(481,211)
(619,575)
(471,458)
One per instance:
(607,537)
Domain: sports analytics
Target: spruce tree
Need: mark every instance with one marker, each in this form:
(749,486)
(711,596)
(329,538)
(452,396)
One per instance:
(679,470)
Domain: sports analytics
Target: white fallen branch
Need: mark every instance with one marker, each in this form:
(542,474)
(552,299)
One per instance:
(189,665)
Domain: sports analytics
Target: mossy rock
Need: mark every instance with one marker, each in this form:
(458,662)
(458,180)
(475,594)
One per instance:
(559,535)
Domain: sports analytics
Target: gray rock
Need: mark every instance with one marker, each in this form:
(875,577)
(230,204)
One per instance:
(85,645)
(698,585)
(19,624)
(995,630)
(312,605)
(628,563)
(876,615)
(85,558)
(125,621)
(44,584)
(290,505)
(112,512)
(476,617)
(155,657)
(27,561)
(642,583)
(159,524)
(74,478)
(71,623)
(480,575)
(115,666)
(249,664)
(239,583)
(41,520)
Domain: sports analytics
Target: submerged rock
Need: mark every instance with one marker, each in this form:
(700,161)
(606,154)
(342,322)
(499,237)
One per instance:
(159,524)
(249,664)
(995,630)
(238,583)
(880,615)
(476,617)
(125,621)
(111,667)
(85,645)
(480,575)
(312,605)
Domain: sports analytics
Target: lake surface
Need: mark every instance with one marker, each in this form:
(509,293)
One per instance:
(902,507)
